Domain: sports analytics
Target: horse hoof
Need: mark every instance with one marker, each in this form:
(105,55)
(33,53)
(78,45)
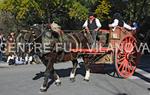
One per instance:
(87,80)
(43,89)
(58,83)
(72,79)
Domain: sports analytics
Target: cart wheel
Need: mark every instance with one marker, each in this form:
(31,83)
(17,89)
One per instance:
(126,57)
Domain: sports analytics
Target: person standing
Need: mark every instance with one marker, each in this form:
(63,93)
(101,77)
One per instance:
(92,25)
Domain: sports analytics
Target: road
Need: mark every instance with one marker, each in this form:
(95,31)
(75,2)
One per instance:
(27,79)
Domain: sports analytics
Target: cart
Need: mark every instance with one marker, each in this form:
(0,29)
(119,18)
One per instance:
(118,47)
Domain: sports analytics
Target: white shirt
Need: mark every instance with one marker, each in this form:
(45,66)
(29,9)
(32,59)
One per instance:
(97,23)
(10,57)
(125,25)
(19,60)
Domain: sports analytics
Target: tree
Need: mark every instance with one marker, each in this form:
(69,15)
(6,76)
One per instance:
(20,8)
(29,12)
(132,9)
(103,10)
(7,23)
(78,11)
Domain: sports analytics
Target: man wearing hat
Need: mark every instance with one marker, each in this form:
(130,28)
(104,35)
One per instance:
(118,21)
(92,25)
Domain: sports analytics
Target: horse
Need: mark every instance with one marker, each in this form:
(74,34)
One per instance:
(60,45)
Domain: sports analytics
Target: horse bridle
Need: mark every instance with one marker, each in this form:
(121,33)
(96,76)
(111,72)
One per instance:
(33,32)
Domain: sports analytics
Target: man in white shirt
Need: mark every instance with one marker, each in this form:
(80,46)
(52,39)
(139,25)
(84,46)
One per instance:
(92,25)
(118,21)
(11,59)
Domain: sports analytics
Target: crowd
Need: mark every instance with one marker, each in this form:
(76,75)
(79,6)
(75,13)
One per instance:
(12,58)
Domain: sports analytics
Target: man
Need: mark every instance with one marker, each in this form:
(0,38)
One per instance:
(11,59)
(118,21)
(92,25)
(2,46)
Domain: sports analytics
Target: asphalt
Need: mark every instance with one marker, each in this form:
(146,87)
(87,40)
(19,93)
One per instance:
(27,79)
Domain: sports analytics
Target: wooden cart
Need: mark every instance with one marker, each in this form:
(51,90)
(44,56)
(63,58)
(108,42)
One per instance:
(118,47)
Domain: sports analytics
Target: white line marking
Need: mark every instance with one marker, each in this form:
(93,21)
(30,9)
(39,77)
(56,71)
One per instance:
(143,71)
(147,83)
(144,75)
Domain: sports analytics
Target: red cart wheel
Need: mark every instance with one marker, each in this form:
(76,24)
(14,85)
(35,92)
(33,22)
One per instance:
(126,57)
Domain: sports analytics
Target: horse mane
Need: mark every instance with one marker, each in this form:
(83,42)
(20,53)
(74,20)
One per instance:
(55,27)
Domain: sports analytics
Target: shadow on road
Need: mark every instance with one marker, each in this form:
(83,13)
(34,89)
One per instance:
(145,66)
(38,76)
(142,77)
(104,69)
(61,73)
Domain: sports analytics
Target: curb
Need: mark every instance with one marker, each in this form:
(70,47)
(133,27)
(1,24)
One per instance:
(3,64)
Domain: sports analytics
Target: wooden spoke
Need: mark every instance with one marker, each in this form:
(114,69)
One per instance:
(126,61)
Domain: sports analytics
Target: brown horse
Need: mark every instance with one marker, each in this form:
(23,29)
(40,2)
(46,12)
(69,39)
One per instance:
(60,46)
(61,52)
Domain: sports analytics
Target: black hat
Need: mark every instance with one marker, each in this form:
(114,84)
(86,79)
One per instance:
(117,15)
(91,14)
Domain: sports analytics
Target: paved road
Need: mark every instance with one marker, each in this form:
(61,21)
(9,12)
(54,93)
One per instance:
(26,80)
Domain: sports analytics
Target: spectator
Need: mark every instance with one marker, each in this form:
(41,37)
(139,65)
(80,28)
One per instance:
(28,59)
(19,60)
(11,59)
(2,46)
(10,43)
(12,35)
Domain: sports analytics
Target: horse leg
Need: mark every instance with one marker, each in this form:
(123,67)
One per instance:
(48,71)
(72,74)
(87,68)
(87,75)
(56,78)
(45,83)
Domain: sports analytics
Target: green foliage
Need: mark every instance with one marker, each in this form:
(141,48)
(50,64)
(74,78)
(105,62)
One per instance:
(7,22)
(75,9)
(20,8)
(137,9)
(78,11)
(132,9)
(103,10)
